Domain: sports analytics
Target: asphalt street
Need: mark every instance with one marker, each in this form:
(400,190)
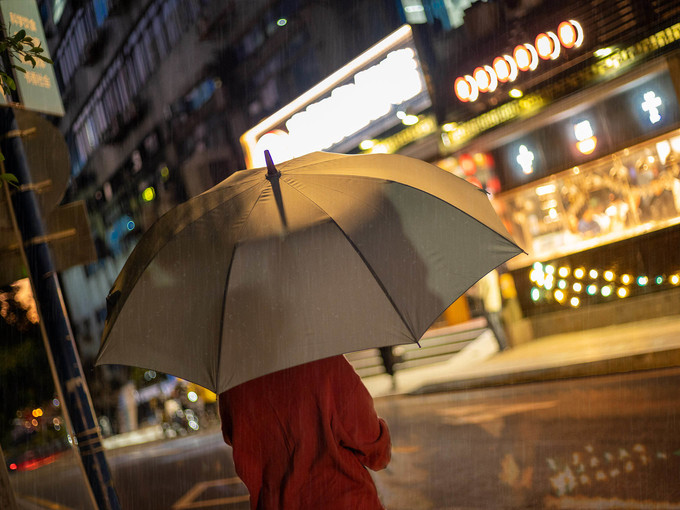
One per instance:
(596,442)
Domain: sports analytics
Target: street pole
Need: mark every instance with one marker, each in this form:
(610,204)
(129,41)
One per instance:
(60,345)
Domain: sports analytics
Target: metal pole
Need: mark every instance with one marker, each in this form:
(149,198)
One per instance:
(54,317)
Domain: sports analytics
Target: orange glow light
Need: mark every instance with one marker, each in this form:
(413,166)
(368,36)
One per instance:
(588,145)
(544,46)
(482,78)
(567,34)
(502,68)
(522,57)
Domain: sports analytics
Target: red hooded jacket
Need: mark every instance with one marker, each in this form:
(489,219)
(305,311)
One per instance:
(302,436)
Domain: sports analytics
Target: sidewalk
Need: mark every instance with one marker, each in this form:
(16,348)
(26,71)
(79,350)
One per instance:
(643,345)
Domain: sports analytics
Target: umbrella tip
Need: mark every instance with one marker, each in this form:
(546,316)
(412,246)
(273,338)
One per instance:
(271,169)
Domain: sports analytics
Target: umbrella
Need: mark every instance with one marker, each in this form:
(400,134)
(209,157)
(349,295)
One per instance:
(324,255)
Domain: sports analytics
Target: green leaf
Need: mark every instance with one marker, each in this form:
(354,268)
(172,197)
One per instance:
(45,59)
(19,68)
(9,178)
(6,79)
(20,35)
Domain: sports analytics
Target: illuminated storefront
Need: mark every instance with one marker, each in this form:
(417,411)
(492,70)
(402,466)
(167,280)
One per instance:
(584,169)
(381,91)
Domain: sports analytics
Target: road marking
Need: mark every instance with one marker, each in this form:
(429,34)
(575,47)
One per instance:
(45,503)
(189,499)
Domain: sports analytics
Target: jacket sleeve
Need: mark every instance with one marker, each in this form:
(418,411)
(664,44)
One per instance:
(361,430)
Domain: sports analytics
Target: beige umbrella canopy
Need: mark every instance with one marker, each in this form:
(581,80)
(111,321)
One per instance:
(324,255)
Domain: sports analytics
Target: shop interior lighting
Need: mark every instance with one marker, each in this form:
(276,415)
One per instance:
(622,292)
(535,294)
(626,279)
(591,289)
(282,22)
(563,271)
(674,279)
(642,281)
(609,276)
(515,93)
(578,287)
(579,273)
(593,273)
(574,301)
(606,291)
(559,295)
(562,284)
(658,280)
(546,189)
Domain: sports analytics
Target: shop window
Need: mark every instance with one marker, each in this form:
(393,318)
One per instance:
(618,196)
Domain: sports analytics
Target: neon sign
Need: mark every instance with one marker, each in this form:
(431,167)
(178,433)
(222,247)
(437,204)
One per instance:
(587,141)
(651,105)
(525,57)
(525,158)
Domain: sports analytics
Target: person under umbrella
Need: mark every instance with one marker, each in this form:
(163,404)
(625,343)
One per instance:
(257,287)
(303,438)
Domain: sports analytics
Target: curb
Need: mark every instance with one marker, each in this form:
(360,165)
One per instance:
(621,365)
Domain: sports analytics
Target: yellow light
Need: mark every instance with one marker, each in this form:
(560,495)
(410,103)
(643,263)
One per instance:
(550,269)
(626,279)
(34,422)
(574,301)
(379,148)
(515,93)
(622,292)
(165,172)
(609,276)
(674,279)
(559,295)
(577,287)
(593,273)
(587,146)
(410,120)
(603,52)
(579,273)
(606,291)
(37,413)
(448,127)
(367,144)
(563,272)
(148,194)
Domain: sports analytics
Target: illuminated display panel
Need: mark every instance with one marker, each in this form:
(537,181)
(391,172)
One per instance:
(640,109)
(360,101)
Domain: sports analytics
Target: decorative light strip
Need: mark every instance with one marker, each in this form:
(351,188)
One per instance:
(569,286)
(525,57)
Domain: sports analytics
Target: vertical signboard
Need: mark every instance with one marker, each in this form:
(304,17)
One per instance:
(37,87)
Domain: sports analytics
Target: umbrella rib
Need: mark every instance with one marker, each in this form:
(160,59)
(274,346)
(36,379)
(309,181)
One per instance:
(366,263)
(226,286)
